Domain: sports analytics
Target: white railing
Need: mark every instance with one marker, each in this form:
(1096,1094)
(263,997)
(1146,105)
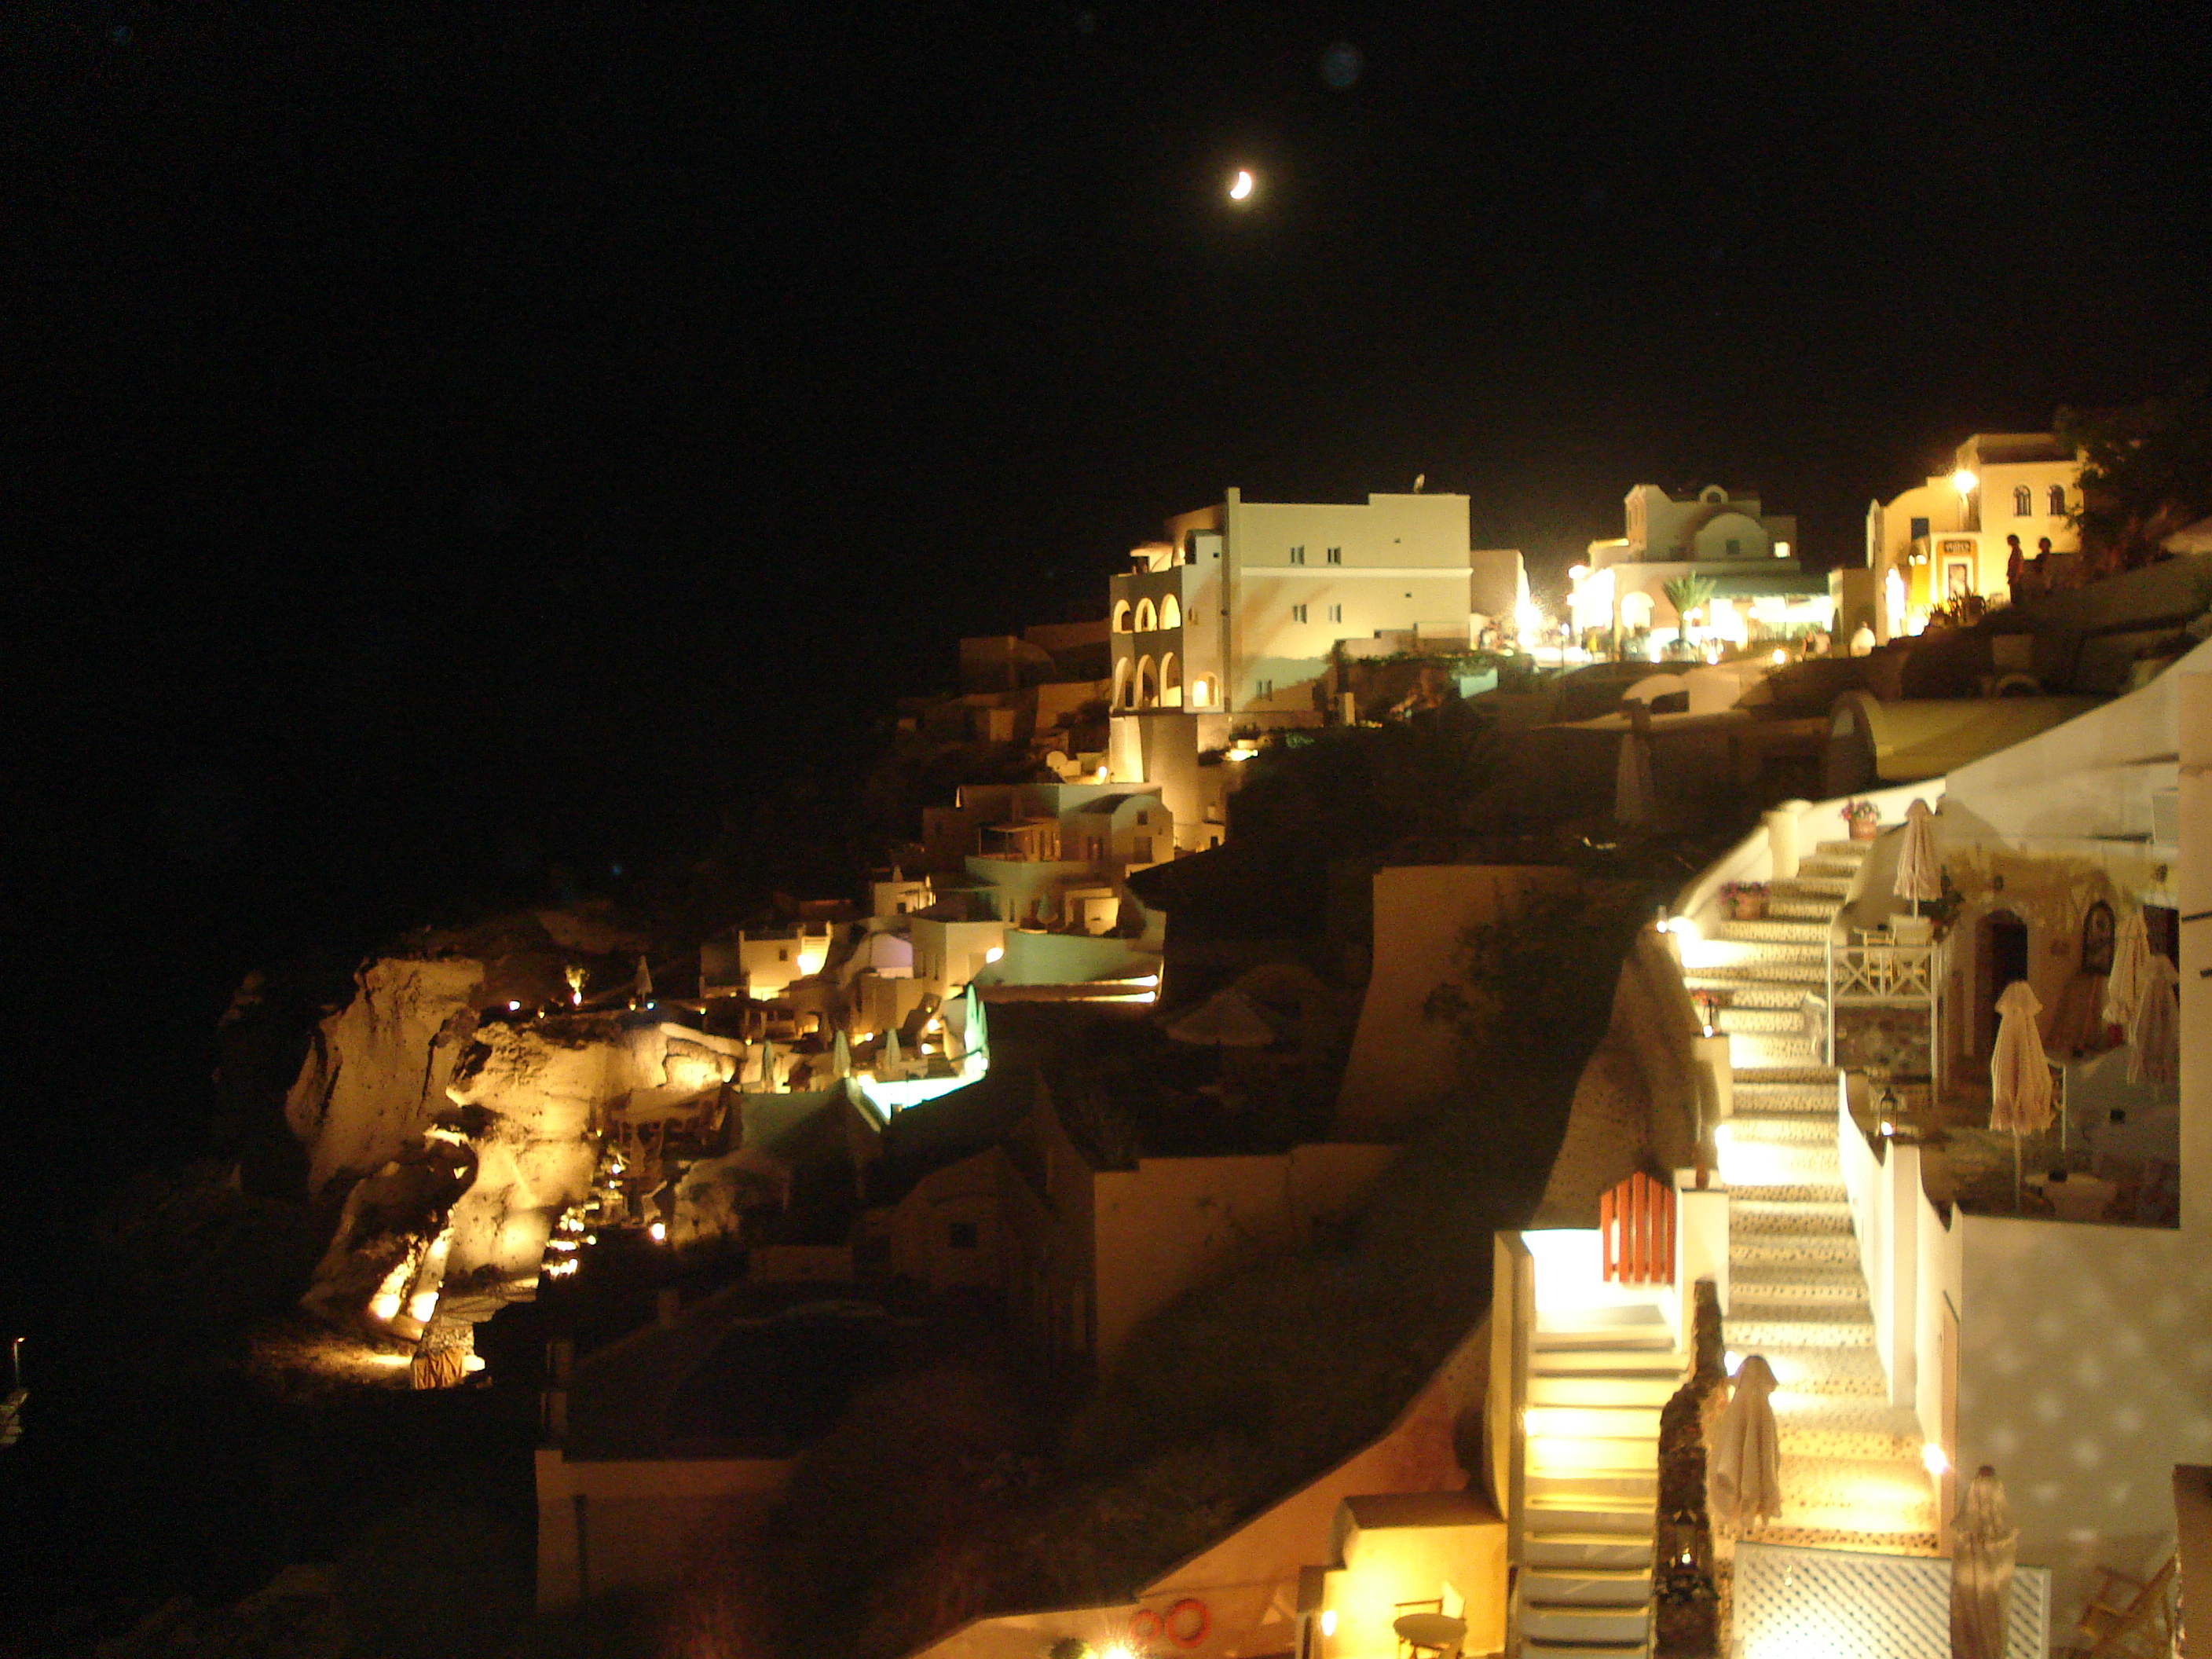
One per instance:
(1842,1605)
(1883,973)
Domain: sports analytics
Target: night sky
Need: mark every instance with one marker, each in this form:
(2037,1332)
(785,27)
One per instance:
(442,441)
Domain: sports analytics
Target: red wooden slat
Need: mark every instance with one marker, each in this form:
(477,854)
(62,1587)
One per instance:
(1633,1250)
(1605,1230)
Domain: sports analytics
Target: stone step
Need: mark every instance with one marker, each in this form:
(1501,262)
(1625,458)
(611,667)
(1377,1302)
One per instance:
(1752,993)
(1847,1426)
(1796,1079)
(1587,1586)
(1834,880)
(1764,1051)
(1789,959)
(1593,1489)
(1782,1248)
(1754,1215)
(1808,1094)
(1764,1128)
(1626,1524)
(1750,1164)
(1775,933)
(1856,1492)
(1613,1628)
(1822,1193)
(1533,1647)
(1610,1420)
(1812,907)
(1572,1457)
(1844,851)
(1605,1362)
(1753,1327)
(1586,1552)
(1605,1390)
(1773,1284)
(1748,1018)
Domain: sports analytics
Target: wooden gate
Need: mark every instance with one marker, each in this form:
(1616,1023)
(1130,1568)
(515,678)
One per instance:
(1636,1220)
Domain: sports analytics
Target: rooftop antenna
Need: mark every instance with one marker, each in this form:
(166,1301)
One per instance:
(1419,478)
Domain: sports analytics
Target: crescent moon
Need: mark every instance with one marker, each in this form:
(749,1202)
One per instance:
(1241,188)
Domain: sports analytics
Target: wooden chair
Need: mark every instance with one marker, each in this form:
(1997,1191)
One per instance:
(2128,1618)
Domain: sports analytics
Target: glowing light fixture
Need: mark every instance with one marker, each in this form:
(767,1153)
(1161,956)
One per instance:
(1780,656)
(1241,190)
(1964,482)
(1577,572)
(1328,1621)
(1931,1454)
(659,1232)
(994,953)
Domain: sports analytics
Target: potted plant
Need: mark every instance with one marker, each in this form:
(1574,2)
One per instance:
(1746,900)
(1864,818)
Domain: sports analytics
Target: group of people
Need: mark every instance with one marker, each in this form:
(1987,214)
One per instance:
(2027,577)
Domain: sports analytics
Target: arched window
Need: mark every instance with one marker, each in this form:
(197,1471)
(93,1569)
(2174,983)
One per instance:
(1170,612)
(2023,502)
(1120,616)
(1201,692)
(1171,682)
(1148,683)
(2058,501)
(1123,684)
(1635,611)
(1147,620)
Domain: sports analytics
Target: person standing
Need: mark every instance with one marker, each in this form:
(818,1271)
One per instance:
(2015,566)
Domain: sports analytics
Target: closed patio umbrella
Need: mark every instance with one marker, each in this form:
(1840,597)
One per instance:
(1743,1476)
(2020,1076)
(2155,1033)
(2131,963)
(1633,796)
(1919,868)
(1983,1543)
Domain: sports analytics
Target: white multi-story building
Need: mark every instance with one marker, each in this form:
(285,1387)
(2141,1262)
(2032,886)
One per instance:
(1231,621)
(1947,538)
(1749,554)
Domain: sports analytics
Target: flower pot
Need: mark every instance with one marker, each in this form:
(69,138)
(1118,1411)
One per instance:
(1865,829)
(1748,907)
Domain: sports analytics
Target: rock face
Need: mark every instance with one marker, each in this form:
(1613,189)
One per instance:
(462,1143)
(376,1073)
(539,1092)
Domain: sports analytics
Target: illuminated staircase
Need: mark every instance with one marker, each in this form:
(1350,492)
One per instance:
(1597,1378)
(1852,1476)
